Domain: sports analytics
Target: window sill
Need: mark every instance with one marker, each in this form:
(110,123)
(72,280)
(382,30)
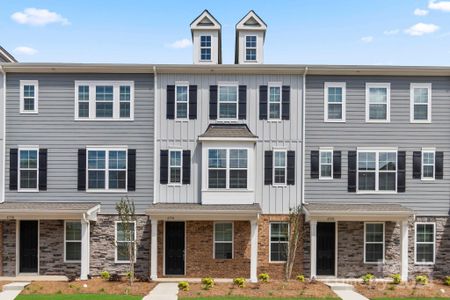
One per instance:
(275,121)
(334,121)
(428,179)
(27,191)
(228,190)
(374,263)
(424,264)
(326,178)
(277,262)
(376,192)
(181,120)
(29,113)
(378,121)
(103,120)
(107,191)
(279,185)
(72,261)
(174,184)
(420,122)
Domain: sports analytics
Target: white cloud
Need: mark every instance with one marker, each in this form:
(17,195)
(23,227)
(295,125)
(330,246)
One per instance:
(421,28)
(367,39)
(180,44)
(421,12)
(441,5)
(25,50)
(391,32)
(38,17)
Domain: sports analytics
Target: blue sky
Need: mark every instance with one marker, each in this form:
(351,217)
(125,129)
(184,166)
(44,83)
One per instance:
(398,32)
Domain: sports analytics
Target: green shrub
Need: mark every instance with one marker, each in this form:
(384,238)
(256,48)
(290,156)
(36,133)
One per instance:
(367,278)
(396,278)
(207,282)
(264,277)
(300,278)
(183,285)
(422,279)
(240,282)
(447,280)
(105,275)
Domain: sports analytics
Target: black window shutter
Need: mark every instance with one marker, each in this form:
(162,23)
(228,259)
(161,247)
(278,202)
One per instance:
(81,169)
(268,161)
(164,167)
(186,166)
(242,102)
(401,171)
(170,102)
(336,164)
(351,171)
(263,102)
(439,173)
(131,169)
(213,102)
(285,102)
(192,102)
(291,167)
(314,164)
(417,164)
(42,169)
(13,169)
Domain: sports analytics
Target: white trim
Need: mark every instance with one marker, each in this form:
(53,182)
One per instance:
(413,86)
(377,152)
(280,102)
(313,248)
(34,83)
(116,260)
(3,172)
(18,247)
(365,242)
(229,84)
(169,182)
(404,248)
(386,86)
(326,150)
(28,148)
(73,241)
(428,150)
(343,86)
(279,167)
(253,250)
(434,243)
(251,48)
(270,240)
(179,84)
(223,242)
(154,249)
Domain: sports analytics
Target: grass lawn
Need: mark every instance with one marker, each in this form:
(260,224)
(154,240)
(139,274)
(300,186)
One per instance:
(77,297)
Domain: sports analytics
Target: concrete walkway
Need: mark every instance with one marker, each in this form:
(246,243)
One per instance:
(345,291)
(163,291)
(12,290)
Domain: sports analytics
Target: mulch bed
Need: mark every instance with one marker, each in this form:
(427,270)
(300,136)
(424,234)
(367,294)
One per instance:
(275,289)
(93,286)
(434,289)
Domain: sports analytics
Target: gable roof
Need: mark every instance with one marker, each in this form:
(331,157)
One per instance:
(227,131)
(205,21)
(6,56)
(251,21)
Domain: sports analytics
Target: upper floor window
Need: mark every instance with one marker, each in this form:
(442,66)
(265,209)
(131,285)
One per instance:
(279,167)
(421,102)
(377,170)
(428,164)
(378,100)
(72,245)
(227,168)
(29,91)
(326,164)
(274,102)
(104,100)
(335,94)
(425,243)
(175,166)
(228,102)
(250,48)
(205,48)
(28,169)
(182,101)
(107,169)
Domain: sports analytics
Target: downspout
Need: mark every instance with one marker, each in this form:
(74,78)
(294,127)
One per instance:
(303,134)
(3,136)
(155,131)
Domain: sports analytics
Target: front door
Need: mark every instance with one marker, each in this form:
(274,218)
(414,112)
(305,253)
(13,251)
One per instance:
(326,249)
(28,248)
(174,248)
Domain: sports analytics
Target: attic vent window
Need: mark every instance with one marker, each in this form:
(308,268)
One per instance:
(250,48)
(205,48)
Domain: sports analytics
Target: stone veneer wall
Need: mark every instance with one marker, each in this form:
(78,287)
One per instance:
(1,249)
(9,248)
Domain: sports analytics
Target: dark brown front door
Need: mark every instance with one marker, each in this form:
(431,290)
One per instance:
(326,249)
(174,248)
(29,244)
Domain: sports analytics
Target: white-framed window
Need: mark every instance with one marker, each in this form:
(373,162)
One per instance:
(227,168)
(326,163)
(428,164)
(377,170)
(104,100)
(279,241)
(123,241)
(274,103)
(107,169)
(335,100)
(420,102)
(250,47)
(28,169)
(181,101)
(72,241)
(205,48)
(373,242)
(175,166)
(223,240)
(279,167)
(29,96)
(378,102)
(227,105)
(425,238)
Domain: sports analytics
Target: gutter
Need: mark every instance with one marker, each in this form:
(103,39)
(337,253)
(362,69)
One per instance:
(303,135)
(3,188)
(155,125)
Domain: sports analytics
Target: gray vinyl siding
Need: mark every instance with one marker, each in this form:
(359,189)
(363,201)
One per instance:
(54,128)
(425,197)
(2,103)
(285,134)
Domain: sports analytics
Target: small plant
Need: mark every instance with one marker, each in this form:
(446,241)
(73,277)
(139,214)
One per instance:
(447,280)
(101,291)
(239,281)
(129,275)
(59,292)
(396,278)
(422,279)
(183,285)
(208,283)
(300,278)
(264,277)
(367,278)
(105,275)
(391,288)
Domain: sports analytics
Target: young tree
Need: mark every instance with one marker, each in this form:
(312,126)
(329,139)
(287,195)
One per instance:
(295,236)
(126,211)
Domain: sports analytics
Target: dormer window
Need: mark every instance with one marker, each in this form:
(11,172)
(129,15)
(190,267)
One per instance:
(250,48)
(205,48)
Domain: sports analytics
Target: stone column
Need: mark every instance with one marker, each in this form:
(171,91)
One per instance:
(254,251)
(154,251)
(313,241)
(404,250)
(85,249)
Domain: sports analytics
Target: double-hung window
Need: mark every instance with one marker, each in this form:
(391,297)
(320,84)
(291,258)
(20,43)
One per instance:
(279,241)
(72,245)
(28,169)
(107,169)
(175,166)
(29,91)
(104,101)
(378,98)
(326,164)
(227,168)
(228,102)
(83,101)
(250,47)
(279,167)
(205,48)
(335,98)
(223,240)
(125,238)
(425,243)
(125,101)
(420,102)
(377,170)
(373,242)
(274,102)
(182,101)
(428,164)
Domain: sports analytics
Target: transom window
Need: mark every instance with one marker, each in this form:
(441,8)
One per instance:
(425,243)
(377,171)
(107,169)
(228,102)
(175,169)
(326,163)
(227,168)
(250,48)
(28,96)
(374,242)
(28,169)
(378,102)
(335,94)
(421,102)
(205,47)
(279,167)
(72,241)
(274,102)
(279,241)
(182,100)
(223,240)
(428,164)
(125,237)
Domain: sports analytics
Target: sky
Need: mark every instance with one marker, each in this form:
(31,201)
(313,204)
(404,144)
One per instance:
(374,32)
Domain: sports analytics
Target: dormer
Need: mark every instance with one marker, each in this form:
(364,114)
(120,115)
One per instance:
(250,36)
(207,39)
